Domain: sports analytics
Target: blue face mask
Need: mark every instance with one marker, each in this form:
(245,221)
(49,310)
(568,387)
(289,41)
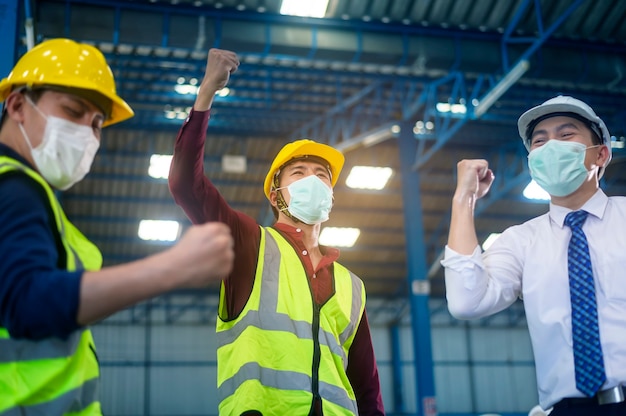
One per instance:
(310,200)
(559,166)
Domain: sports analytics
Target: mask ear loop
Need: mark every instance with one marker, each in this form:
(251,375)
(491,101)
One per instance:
(281,204)
(32,104)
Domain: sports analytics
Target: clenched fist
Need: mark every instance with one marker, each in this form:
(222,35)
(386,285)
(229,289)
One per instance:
(219,65)
(204,254)
(474,178)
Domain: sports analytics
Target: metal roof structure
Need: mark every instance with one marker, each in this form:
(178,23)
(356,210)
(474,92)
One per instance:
(367,79)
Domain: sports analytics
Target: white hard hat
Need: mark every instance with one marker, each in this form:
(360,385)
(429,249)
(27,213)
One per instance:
(562,105)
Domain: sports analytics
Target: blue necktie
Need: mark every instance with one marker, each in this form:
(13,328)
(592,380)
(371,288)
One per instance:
(588,360)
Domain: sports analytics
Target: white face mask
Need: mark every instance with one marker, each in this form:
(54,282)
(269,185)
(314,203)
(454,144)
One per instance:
(311,200)
(66,151)
(559,166)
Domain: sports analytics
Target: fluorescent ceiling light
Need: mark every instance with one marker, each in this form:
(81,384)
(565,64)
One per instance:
(489,240)
(223,92)
(234,164)
(155,230)
(451,108)
(186,89)
(618,143)
(184,86)
(339,236)
(178,113)
(534,191)
(160,166)
(422,127)
(305,8)
(368,177)
(191,87)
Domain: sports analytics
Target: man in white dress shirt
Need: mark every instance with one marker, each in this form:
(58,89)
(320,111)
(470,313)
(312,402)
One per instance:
(569,149)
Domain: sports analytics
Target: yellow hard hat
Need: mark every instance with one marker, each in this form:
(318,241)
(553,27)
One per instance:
(302,148)
(65,63)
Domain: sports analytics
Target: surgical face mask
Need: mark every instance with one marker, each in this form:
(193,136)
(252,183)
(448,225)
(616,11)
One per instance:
(66,151)
(559,166)
(311,200)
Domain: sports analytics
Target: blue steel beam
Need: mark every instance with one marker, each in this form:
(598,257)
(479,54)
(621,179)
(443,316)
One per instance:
(9,18)
(445,133)
(512,74)
(416,265)
(396,368)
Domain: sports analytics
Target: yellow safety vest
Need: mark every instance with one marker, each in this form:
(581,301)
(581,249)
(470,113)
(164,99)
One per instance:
(283,351)
(51,376)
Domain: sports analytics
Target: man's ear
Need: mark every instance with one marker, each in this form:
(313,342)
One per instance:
(603,156)
(14,106)
(272,198)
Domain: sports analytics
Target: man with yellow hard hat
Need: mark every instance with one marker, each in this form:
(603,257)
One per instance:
(56,99)
(293,336)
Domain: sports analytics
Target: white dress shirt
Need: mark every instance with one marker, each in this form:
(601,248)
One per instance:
(530,261)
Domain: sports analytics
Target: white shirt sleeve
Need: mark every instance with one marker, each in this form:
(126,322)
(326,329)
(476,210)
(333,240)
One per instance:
(479,285)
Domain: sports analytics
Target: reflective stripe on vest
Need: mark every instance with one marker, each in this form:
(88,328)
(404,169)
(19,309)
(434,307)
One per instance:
(51,376)
(274,343)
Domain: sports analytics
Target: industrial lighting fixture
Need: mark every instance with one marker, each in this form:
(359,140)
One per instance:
(368,177)
(159,166)
(176,113)
(184,88)
(376,137)
(224,92)
(535,192)
(234,164)
(157,230)
(451,108)
(385,132)
(371,137)
(304,8)
(423,128)
(501,87)
(191,87)
(339,236)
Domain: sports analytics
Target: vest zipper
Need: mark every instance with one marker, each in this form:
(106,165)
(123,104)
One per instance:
(316,356)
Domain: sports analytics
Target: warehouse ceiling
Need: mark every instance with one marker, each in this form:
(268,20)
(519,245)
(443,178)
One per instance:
(371,70)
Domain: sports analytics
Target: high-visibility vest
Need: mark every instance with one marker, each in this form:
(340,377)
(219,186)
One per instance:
(51,376)
(283,351)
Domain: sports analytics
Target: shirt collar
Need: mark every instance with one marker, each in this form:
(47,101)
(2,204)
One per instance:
(295,234)
(596,206)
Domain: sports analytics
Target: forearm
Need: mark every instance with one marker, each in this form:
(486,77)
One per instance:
(187,168)
(189,186)
(112,289)
(462,235)
(204,255)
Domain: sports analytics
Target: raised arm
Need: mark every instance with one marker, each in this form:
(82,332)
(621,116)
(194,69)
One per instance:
(189,186)
(474,178)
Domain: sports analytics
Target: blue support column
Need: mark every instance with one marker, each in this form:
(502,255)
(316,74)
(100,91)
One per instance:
(396,360)
(417,274)
(8,34)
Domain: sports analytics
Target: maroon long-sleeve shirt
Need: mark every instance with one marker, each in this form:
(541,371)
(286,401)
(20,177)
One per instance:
(201,201)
